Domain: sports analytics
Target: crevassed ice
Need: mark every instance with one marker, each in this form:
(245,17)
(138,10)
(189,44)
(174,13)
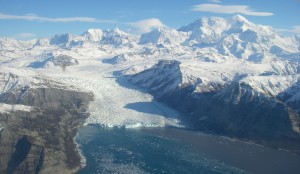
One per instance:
(120,106)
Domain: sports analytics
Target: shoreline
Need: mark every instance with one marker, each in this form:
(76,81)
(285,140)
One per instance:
(78,149)
(48,131)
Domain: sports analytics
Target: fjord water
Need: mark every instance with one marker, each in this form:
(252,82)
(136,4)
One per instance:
(171,150)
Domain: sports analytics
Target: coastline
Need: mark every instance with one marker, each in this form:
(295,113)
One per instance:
(47,132)
(78,148)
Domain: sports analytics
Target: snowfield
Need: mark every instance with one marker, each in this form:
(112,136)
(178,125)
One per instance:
(114,105)
(211,53)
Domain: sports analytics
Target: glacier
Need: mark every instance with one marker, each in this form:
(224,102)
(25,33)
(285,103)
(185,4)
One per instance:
(129,74)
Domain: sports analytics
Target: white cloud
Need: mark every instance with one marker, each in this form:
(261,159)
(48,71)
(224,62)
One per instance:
(34,17)
(214,1)
(25,36)
(147,25)
(294,30)
(229,9)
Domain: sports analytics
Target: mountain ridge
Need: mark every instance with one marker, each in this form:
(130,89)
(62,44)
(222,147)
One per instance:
(236,37)
(227,76)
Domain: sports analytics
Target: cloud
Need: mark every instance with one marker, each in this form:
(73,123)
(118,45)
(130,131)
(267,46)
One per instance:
(147,25)
(293,30)
(214,1)
(34,17)
(229,9)
(24,36)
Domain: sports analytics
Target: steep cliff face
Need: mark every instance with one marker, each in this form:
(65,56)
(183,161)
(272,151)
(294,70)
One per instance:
(40,139)
(165,76)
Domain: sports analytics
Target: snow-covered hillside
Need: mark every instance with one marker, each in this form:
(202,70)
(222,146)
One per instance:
(231,63)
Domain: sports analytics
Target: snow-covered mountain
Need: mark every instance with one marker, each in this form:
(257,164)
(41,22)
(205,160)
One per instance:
(240,38)
(164,36)
(252,104)
(229,75)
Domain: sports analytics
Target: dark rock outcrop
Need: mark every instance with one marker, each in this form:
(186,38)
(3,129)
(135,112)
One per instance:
(41,141)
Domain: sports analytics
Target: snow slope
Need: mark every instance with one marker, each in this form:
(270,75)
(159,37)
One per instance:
(206,55)
(114,105)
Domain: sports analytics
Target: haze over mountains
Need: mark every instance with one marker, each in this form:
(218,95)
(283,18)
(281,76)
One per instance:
(227,76)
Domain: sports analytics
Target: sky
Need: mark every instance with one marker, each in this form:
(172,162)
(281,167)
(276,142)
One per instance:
(28,19)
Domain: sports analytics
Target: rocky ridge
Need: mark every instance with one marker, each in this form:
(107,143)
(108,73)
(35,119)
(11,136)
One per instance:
(251,107)
(40,139)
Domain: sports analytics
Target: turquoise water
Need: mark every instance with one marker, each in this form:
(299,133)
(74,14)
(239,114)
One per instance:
(133,151)
(169,150)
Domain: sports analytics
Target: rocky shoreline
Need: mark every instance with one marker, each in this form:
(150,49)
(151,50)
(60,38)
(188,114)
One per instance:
(41,140)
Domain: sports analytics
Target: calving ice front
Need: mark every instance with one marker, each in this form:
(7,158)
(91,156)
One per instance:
(225,76)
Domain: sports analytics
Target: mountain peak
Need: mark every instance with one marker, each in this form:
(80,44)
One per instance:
(93,30)
(205,30)
(204,23)
(116,31)
(163,35)
(93,34)
(239,18)
(239,23)
(60,39)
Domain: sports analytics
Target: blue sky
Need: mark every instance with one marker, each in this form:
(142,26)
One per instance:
(26,19)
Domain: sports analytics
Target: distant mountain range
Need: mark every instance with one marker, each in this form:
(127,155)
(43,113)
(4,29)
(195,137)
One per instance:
(227,76)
